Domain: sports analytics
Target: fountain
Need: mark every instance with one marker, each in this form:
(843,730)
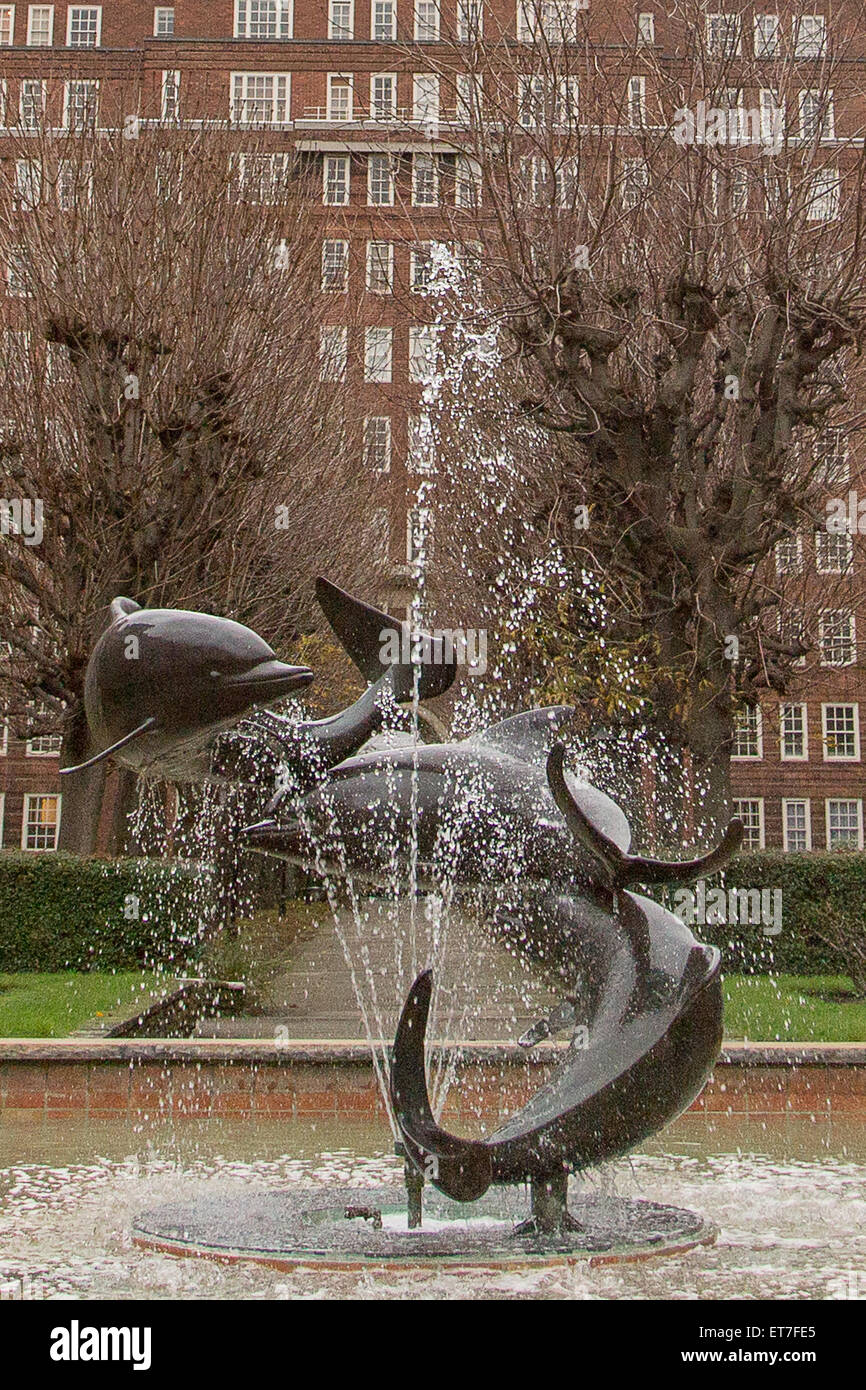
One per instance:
(497,815)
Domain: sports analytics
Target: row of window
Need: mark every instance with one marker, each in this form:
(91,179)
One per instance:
(378,435)
(551,19)
(83,25)
(378,353)
(837,636)
(840,733)
(46,746)
(379,266)
(381,180)
(843,822)
(834,553)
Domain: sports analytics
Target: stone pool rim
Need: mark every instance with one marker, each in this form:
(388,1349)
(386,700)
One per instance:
(169,1078)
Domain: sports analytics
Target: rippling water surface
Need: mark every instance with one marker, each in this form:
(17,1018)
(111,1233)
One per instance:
(788,1197)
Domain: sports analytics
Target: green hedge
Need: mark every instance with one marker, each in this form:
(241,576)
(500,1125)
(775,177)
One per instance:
(62,912)
(810,883)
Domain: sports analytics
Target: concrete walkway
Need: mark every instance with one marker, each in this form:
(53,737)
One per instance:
(484,992)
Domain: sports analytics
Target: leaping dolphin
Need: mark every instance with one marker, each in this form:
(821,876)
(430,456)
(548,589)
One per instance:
(163,684)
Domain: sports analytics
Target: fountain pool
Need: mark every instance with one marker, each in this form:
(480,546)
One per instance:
(787,1194)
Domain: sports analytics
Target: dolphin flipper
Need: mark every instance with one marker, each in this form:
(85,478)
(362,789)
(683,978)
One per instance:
(362,631)
(621,868)
(115,748)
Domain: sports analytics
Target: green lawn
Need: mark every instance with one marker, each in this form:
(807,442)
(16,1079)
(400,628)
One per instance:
(793,1008)
(759,1008)
(52,1006)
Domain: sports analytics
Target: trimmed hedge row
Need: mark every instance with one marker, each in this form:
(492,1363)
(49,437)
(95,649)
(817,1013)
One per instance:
(62,912)
(813,885)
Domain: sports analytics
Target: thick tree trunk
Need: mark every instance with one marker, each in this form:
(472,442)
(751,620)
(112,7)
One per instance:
(82,791)
(84,796)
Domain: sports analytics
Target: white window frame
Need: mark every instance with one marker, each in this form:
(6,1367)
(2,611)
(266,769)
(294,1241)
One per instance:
(31,751)
(158,11)
(388,264)
(25,819)
(2,816)
(421,252)
(434,172)
(92,82)
(426,98)
(390,111)
(759,38)
(759,802)
(8,13)
(426,37)
(759,735)
(4,737)
(824,118)
(336,32)
(371,165)
(369,463)
(422,359)
(470,20)
(284,17)
(646,28)
(43,97)
(420,444)
(280,105)
(335,333)
(822,562)
(636,100)
(836,800)
(840,757)
(806,803)
(379,354)
(344,262)
(797,565)
(853,621)
(825,196)
(798,25)
(72,11)
(383,38)
(32,11)
(346,163)
(794,757)
(736,26)
(343,79)
(170,83)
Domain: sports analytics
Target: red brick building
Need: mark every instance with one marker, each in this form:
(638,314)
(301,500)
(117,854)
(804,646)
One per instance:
(351,86)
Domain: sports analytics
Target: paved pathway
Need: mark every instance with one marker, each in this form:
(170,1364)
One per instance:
(485,995)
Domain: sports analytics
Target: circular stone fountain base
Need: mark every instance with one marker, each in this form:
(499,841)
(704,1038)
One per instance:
(343,1228)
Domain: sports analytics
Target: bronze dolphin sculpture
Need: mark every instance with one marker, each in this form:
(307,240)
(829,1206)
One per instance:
(499,811)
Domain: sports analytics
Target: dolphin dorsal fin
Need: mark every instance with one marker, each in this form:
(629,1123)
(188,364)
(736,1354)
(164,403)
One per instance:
(528,736)
(122,607)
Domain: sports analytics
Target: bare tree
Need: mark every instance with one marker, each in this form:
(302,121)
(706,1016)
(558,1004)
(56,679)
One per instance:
(671,278)
(163,406)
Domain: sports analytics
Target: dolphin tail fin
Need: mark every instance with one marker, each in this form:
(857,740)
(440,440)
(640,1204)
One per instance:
(363,631)
(461,1168)
(621,868)
(107,752)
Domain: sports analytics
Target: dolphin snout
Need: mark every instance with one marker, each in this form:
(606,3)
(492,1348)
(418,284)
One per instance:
(270,679)
(281,838)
